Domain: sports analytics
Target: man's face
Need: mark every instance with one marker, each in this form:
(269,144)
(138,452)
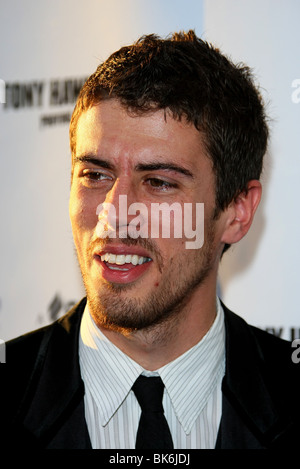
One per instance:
(131,282)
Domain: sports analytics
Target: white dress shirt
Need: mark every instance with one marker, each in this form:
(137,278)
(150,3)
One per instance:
(192,396)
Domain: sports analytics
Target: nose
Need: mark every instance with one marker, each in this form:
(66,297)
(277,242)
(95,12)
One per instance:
(117,215)
(116,202)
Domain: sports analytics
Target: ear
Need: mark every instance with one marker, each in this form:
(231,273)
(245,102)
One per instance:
(241,213)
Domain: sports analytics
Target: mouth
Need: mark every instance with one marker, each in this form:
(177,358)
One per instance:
(120,266)
(116,261)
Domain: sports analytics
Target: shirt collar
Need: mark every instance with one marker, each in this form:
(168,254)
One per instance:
(189,380)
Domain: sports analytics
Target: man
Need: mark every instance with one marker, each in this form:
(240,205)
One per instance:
(170,122)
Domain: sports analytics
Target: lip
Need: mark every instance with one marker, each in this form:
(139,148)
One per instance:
(118,276)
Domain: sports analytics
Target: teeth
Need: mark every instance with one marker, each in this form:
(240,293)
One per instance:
(112,259)
(135,259)
(122,259)
(128,258)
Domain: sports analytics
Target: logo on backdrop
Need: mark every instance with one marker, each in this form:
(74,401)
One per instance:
(2,92)
(287,333)
(42,95)
(57,307)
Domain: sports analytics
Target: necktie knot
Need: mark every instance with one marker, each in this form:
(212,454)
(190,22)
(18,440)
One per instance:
(149,393)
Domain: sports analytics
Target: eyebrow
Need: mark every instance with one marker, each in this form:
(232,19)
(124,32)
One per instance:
(96,161)
(155,166)
(163,166)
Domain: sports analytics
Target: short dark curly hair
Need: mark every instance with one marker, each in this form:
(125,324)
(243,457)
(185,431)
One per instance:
(190,78)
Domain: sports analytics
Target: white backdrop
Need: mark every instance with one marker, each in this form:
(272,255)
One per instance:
(47,49)
(260,277)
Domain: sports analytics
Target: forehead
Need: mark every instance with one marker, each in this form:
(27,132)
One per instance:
(110,131)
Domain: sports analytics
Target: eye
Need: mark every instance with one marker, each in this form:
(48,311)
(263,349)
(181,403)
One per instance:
(95,175)
(161,184)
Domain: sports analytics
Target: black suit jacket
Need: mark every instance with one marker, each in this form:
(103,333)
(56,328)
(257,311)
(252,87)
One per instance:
(42,392)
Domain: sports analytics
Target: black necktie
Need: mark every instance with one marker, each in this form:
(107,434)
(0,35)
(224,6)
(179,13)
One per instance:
(153,431)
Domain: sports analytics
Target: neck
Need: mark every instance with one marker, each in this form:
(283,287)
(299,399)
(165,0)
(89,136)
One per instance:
(160,344)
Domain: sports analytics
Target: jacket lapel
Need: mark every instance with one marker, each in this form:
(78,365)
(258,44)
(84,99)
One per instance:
(55,417)
(250,416)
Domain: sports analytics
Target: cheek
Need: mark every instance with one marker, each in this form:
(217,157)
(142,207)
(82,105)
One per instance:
(82,213)
(171,250)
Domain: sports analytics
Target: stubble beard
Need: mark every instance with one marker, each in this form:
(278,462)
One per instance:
(111,311)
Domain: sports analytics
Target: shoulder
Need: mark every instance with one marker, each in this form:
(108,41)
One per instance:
(269,354)
(237,326)
(26,353)
(31,342)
